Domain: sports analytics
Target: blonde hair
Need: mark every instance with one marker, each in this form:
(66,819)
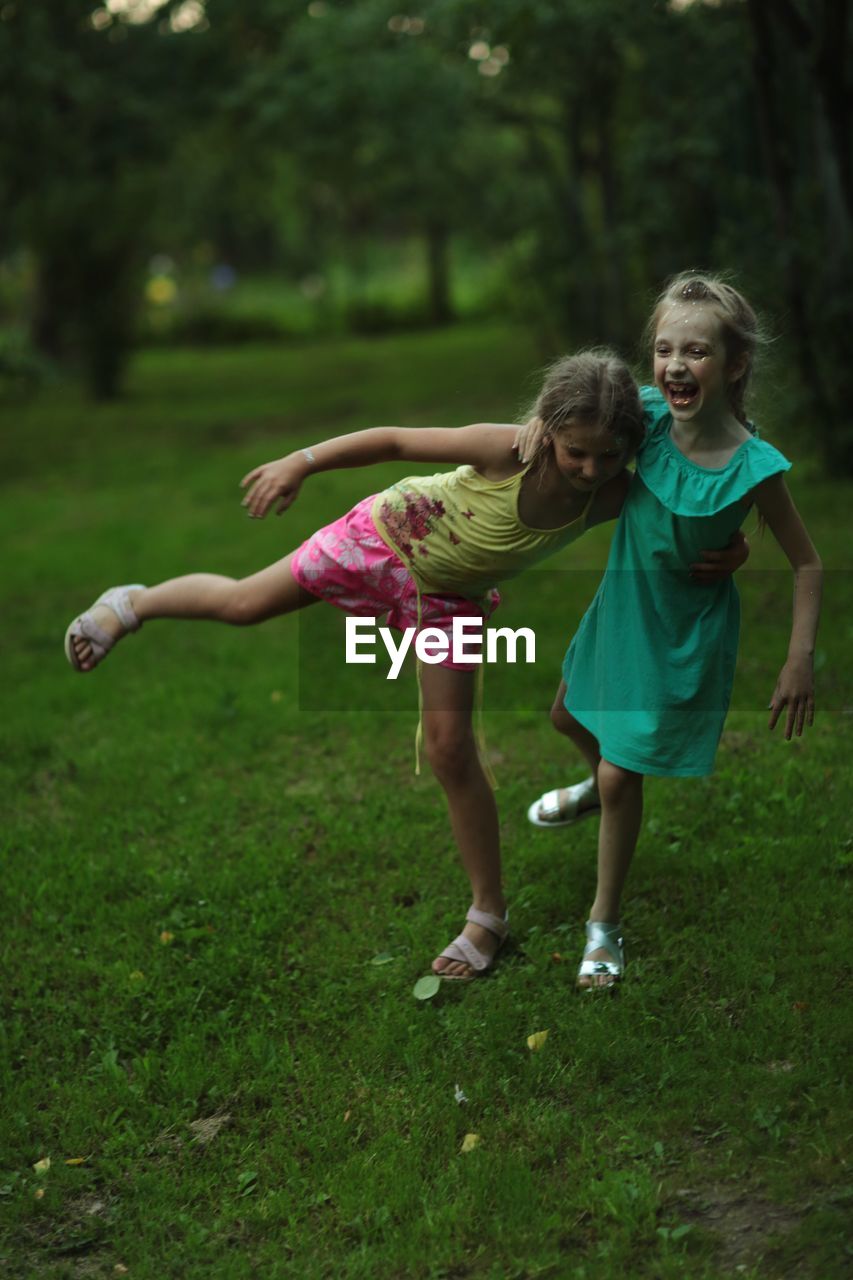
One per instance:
(593,387)
(742,330)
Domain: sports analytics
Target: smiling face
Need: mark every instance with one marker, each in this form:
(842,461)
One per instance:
(691,365)
(586,456)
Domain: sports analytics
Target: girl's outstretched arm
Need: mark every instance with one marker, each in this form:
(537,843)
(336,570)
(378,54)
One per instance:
(795,687)
(485,445)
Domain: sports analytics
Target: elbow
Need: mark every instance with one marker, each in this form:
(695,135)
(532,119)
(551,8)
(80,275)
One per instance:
(393,445)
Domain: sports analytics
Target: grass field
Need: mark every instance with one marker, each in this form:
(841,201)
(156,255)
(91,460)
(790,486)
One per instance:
(222,881)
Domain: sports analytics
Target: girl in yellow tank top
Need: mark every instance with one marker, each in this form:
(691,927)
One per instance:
(427,550)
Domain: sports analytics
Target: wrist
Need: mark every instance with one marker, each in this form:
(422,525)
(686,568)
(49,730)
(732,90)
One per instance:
(303,461)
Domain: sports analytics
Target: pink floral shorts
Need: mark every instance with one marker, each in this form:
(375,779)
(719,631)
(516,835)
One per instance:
(347,564)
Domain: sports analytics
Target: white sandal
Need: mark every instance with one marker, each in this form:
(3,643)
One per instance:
(116,598)
(463,951)
(607,937)
(548,812)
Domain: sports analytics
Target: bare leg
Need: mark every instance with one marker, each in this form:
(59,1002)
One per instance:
(621,815)
(241,602)
(621,796)
(449,739)
(585,742)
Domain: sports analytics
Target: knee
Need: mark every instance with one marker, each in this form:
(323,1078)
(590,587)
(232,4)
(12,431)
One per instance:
(239,608)
(450,750)
(616,784)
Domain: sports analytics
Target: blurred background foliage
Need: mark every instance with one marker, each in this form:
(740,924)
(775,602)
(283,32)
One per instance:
(236,170)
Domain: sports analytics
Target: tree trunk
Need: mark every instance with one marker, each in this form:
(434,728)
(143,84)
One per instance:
(780,173)
(612,265)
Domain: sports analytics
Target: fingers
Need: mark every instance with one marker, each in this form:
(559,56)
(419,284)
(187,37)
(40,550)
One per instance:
(800,718)
(713,567)
(776,705)
(257,502)
(704,573)
(799,712)
(790,720)
(527,439)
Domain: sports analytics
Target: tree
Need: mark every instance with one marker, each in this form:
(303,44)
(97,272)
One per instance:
(96,107)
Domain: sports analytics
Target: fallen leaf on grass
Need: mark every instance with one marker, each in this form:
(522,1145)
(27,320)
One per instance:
(138,975)
(347,1115)
(39,1195)
(120,1269)
(469,1142)
(384,957)
(556,957)
(459,1095)
(536,1041)
(41,1166)
(78,1160)
(166,937)
(428,986)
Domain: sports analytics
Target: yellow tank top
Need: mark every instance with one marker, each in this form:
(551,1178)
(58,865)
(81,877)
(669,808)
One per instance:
(459,533)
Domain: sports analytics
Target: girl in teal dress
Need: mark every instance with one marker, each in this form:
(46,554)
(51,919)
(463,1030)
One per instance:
(647,679)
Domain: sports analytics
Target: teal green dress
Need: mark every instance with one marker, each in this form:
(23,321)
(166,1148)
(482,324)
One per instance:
(651,667)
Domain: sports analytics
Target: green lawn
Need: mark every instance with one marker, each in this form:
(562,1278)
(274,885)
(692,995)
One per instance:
(208,848)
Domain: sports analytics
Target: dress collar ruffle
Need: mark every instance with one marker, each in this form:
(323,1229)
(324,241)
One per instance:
(684,487)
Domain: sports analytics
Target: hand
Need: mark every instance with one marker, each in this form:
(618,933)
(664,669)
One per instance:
(274,481)
(528,439)
(794,690)
(716,566)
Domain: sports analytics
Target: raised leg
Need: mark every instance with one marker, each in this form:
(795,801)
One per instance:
(209,596)
(564,722)
(568,804)
(448,698)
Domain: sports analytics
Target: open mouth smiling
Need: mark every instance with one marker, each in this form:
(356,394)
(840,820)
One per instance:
(681,394)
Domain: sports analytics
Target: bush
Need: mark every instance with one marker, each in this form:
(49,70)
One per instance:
(22,370)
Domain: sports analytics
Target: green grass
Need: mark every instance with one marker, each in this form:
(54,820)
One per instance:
(197,788)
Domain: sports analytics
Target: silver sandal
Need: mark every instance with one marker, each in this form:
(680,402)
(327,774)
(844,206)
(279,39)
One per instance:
(548,812)
(608,937)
